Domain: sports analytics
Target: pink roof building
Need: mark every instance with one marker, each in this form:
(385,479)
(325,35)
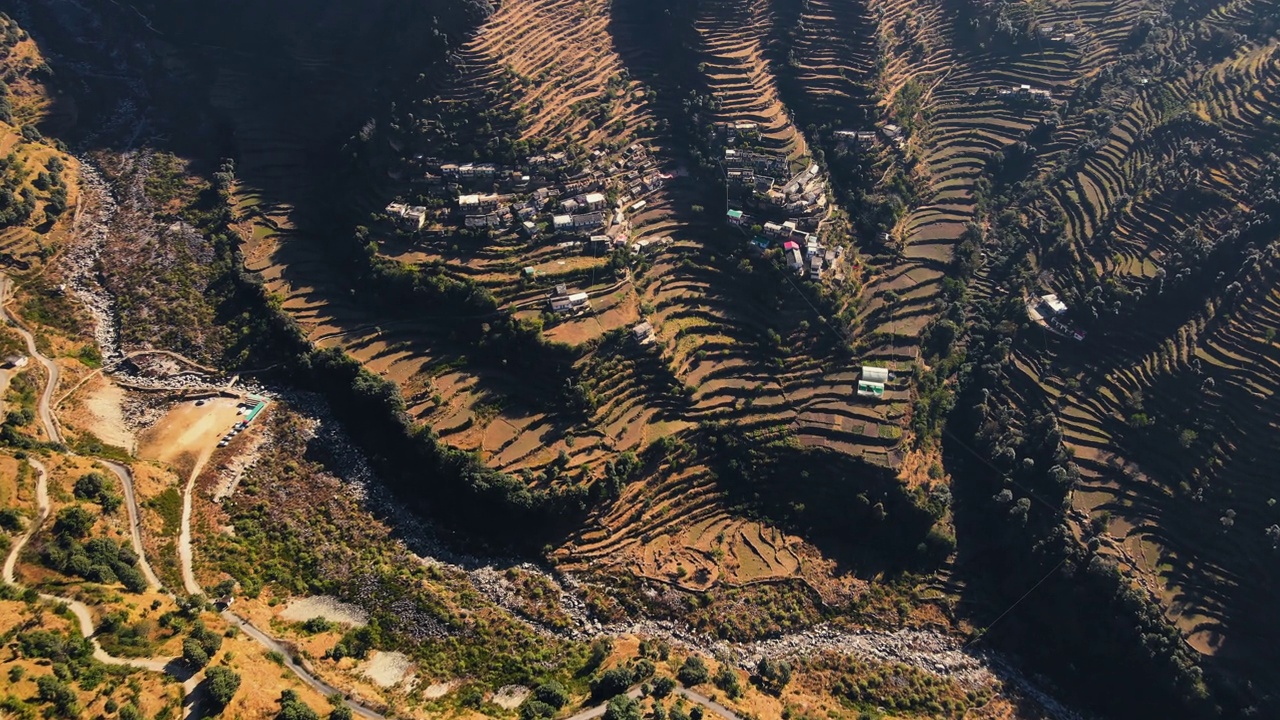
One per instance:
(790,245)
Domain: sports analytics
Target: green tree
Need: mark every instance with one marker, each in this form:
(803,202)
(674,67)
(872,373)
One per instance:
(552,693)
(773,675)
(222,684)
(193,653)
(693,672)
(612,682)
(663,686)
(292,708)
(73,522)
(341,712)
(727,680)
(622,707)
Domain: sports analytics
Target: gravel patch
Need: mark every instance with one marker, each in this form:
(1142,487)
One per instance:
(325,606)
(509,697)
(386,669)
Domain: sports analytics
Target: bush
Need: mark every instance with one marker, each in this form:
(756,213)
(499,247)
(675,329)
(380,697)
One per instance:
(222,684)
(693,672)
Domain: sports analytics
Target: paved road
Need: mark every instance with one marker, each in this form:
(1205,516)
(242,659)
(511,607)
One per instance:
(81,611)
(312,681)
(84,616)
(135,524)
(50,367)
(692,695)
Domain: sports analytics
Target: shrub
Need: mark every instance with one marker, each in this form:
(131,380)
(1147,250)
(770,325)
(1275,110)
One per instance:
(693,672)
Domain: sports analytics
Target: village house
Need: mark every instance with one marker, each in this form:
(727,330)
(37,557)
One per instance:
(1052,306)
(795,261)
(409,218)
(594,201)
(16,361)
(587,221)
(566,303)
(815,267)
(643,333)
(479,203)
(734,217)
(486,221)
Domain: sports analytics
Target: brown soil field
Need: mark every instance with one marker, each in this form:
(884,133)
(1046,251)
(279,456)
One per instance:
(188,429)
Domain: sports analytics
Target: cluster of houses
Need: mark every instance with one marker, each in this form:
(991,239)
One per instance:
(1066,35)
(801,249)
(861,138)
(550,192)
(1025,94)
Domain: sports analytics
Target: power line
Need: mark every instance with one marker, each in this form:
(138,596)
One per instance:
(1016,603)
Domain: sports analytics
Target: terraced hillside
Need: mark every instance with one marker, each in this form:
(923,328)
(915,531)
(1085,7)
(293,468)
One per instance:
(611,271)
(39,180)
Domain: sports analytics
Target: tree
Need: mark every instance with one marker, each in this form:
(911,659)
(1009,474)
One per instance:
(622,707)
(536,710)
(73,522)
(693,672)
(612,682)
(552,693)
(90,486)
(222,684)
(663,686)
(193,653)
(727,680)
(773,675)
(341,712)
